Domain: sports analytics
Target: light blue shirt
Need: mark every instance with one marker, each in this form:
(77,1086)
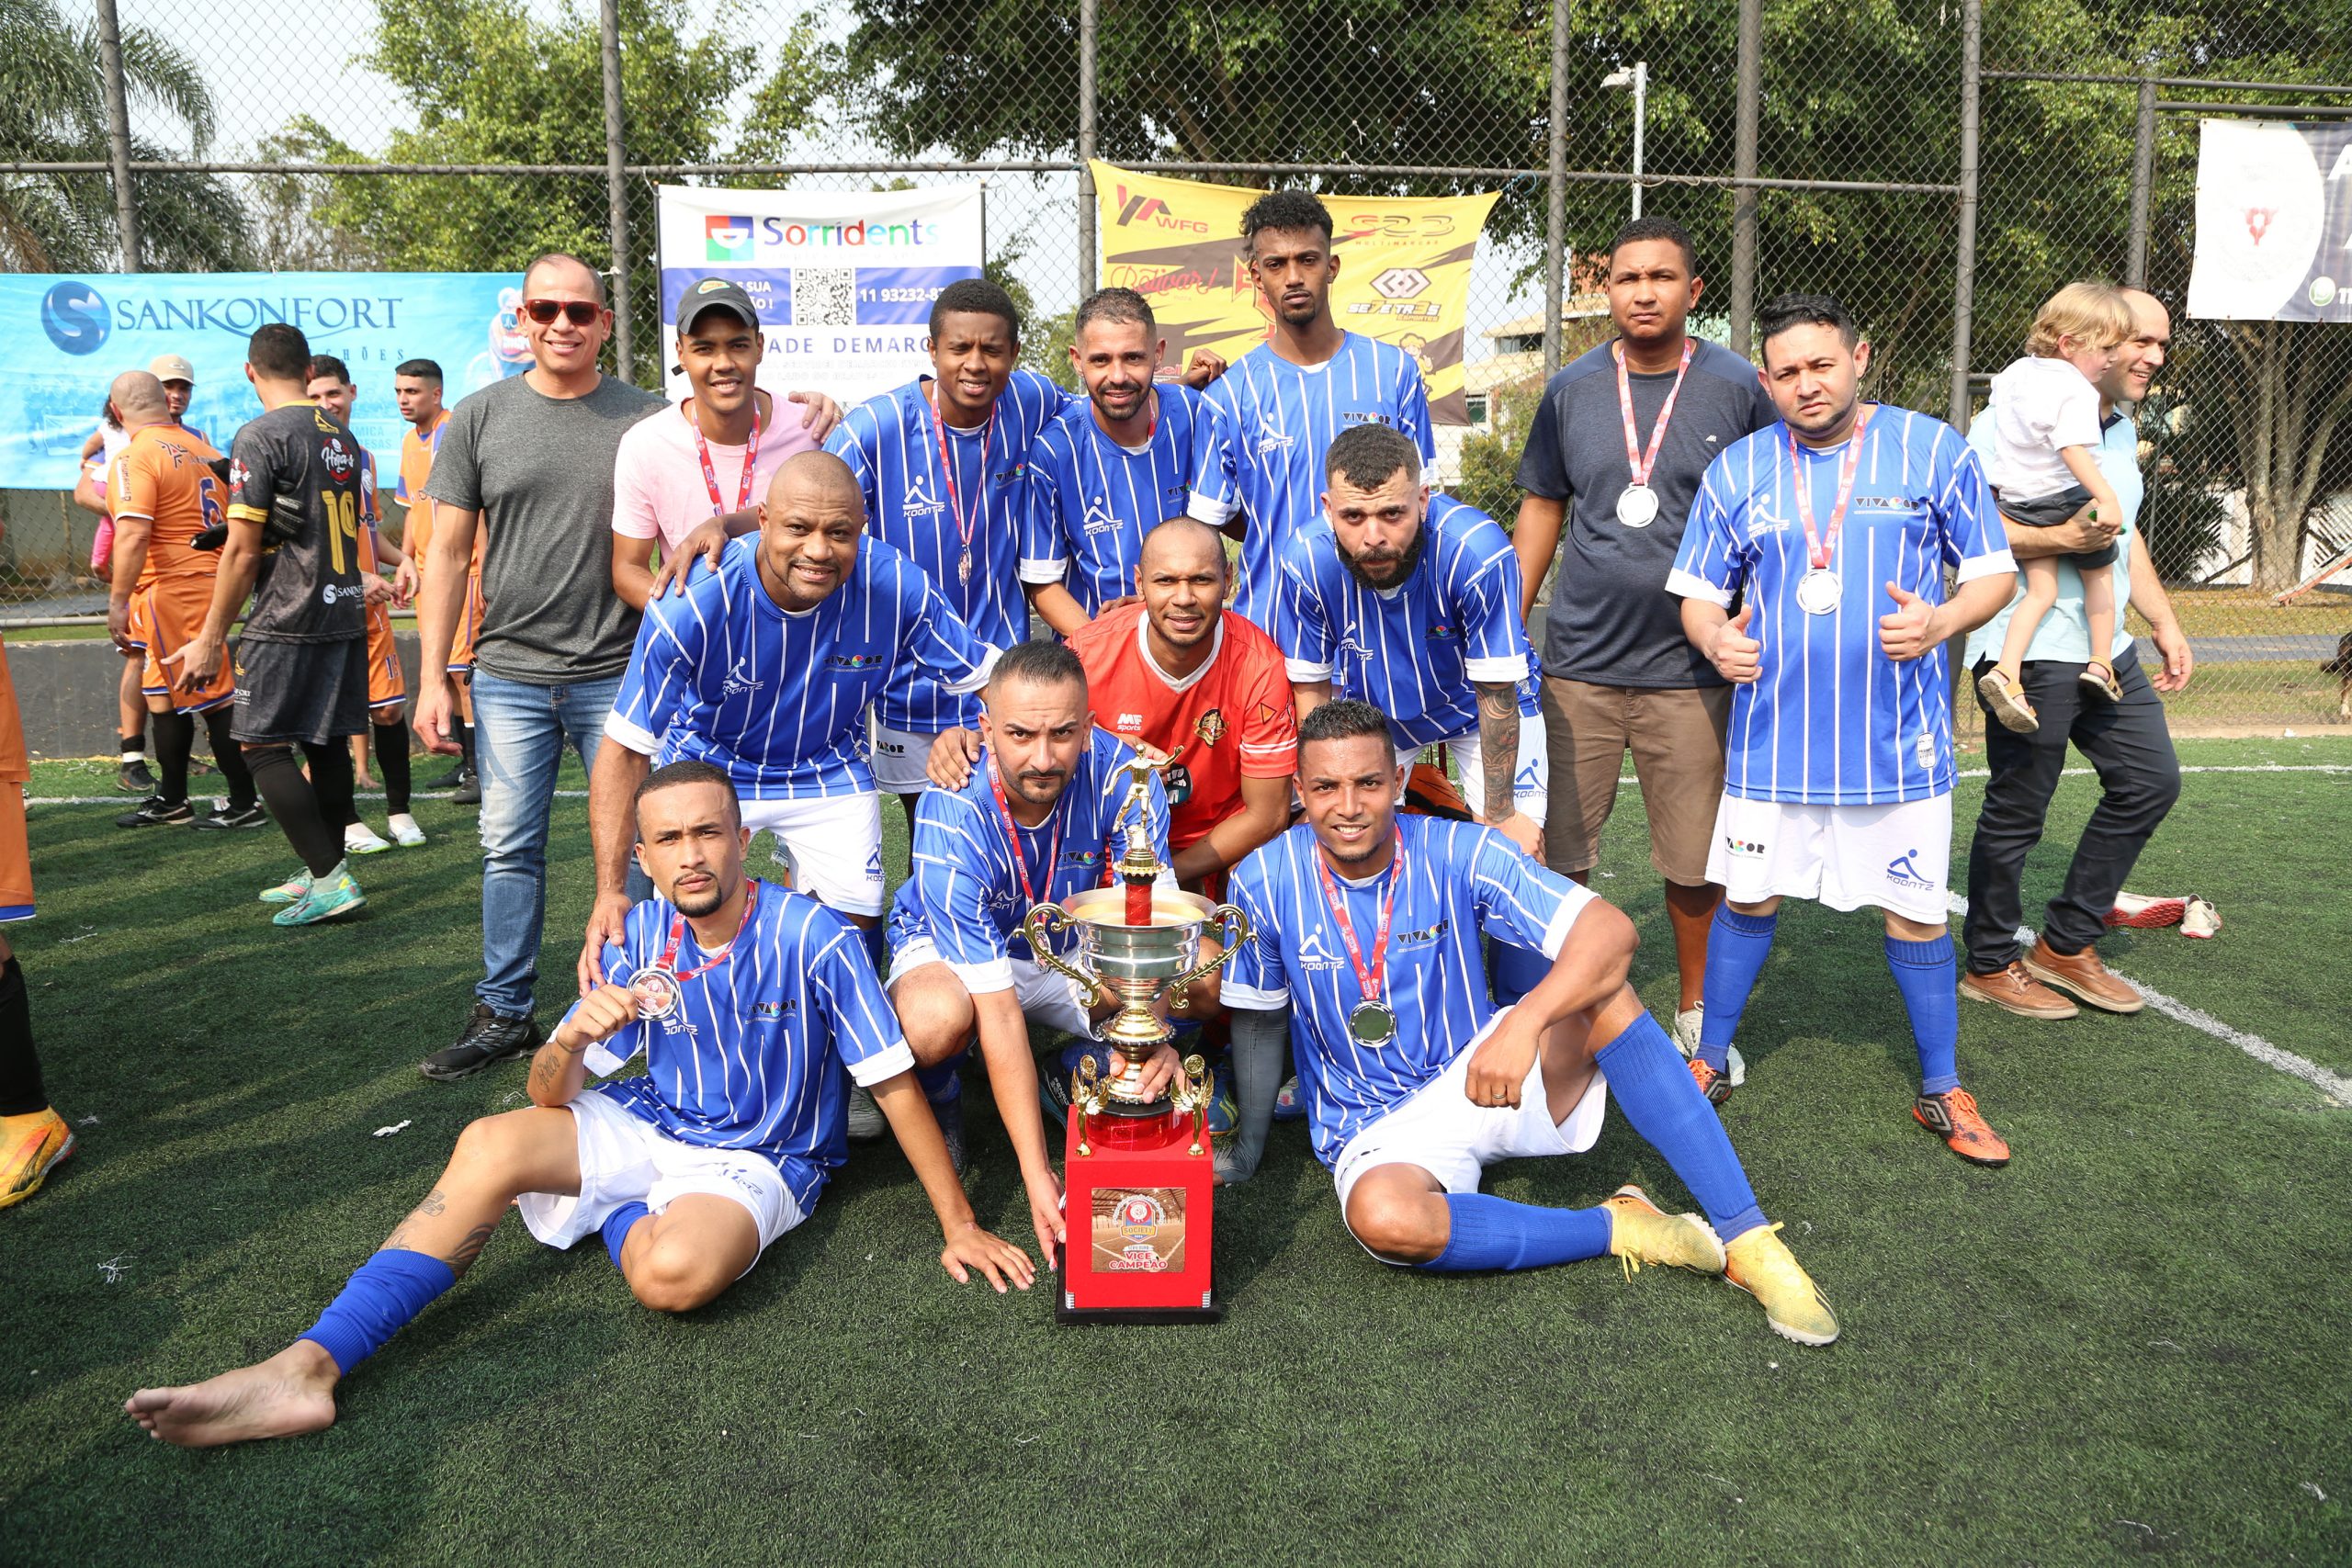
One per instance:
(2064,635)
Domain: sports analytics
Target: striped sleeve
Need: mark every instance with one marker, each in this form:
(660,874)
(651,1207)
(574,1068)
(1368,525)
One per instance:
(1494,637)
(936,637)
(1044,548)
(1216,477)
(951,876)
(660,678)
(865,1032)
(1709,564)
(1309,646)
(1254,977)
(1974,543)
(1521,901)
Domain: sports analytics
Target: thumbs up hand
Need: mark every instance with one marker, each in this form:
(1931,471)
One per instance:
(1910,630)
(1736,656)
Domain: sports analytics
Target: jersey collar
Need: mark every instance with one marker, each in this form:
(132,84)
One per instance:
(1143,645)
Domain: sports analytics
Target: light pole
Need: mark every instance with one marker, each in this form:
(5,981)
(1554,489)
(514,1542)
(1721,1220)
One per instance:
(1636,76)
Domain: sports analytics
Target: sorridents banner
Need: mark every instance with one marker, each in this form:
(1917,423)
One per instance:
(1404,269)
(68,337)
(2274,222)
(843,280)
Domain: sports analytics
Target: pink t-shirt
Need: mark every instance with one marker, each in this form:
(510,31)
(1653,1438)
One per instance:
(658,492)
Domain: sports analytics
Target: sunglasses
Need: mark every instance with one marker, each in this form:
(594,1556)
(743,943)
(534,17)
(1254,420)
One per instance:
(579,312)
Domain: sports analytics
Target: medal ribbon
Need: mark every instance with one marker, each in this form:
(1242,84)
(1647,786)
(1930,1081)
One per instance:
(1369,979)
(751,461)
(963,528)
(1641,465)
(1818,549)
(1012,837)
(678,933)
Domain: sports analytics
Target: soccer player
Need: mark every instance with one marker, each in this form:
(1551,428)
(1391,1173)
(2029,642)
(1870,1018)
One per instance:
(416,388)
(1835,526)
(1105,472)
(33,1136)
(764,669)
(1261,457)
(1363,948)
(754,1006)
(164,493)
(302,663)
(1614,458)
(1034,823)
(332,389)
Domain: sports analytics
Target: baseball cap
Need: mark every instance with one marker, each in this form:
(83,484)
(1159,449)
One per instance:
(172,367)
(716,293)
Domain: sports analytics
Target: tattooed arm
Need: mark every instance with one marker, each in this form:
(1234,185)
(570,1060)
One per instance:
(560,1068)
(1498,766)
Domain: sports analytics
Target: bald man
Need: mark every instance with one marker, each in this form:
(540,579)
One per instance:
(764,668)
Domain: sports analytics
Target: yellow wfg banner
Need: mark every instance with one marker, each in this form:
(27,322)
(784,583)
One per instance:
(1404,269)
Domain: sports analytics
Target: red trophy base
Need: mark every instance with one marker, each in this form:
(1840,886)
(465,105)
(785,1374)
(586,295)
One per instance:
(1138,1207)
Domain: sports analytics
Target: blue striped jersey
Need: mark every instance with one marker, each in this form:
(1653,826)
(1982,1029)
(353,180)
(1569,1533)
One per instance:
(1460,879)
(1831,720)
(963,891)
(723,674)
(891,442)
(1090,501)
(1262,458)
(759,1052)
(1412,651)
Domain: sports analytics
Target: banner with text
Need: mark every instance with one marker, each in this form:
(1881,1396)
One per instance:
(70,337)
(843,280)
(2274,222)
(1404,269)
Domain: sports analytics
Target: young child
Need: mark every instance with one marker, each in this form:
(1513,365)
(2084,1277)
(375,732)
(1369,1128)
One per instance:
(2045,423)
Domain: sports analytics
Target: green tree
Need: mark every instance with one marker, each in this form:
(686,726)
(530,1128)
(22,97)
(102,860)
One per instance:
(52,109)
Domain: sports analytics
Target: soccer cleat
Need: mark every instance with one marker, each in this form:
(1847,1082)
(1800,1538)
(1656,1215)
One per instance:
(1288,1104)
(289,891)
(2146,914)
(1715,1085)
(30,1146)
(358,839)
(135,778)
(2199,919)
(490,1037)
(449,780)
(156,812)
(328,897)
(2005,700)
(866,1121)
(469,791)
(1759,1262)
(405,833)
(1952,1116)
(223,818)
(1687,1024)
(1640,1232)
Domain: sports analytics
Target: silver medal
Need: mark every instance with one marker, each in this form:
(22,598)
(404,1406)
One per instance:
(1818,592)
(1637,506)
(1371,1023)
(656,991)
(964,566)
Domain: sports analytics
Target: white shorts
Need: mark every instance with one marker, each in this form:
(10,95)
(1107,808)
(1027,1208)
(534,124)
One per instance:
(833,844)
(1045,996)
(1895,858)
(1439,1129)
(1531,790)
(897,757)
(624,1159)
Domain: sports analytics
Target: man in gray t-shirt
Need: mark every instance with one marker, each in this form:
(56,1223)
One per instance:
(1614,458)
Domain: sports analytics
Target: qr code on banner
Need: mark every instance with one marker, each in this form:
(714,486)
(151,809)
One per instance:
(824,296)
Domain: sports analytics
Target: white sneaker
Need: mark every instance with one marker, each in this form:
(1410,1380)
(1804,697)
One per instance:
(1686,1039)
(360,840)
(405,833)
(866,1121)
(2200,919)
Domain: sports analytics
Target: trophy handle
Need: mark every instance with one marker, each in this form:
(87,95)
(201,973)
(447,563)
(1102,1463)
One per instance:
(1218,917)
(1046,918)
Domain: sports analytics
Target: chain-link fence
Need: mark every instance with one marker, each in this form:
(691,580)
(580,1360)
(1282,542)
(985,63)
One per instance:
(1940,165)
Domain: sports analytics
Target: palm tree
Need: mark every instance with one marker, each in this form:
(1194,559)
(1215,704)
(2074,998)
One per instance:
(52,109)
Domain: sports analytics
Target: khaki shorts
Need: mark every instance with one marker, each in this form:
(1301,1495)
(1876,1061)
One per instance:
(1677,738)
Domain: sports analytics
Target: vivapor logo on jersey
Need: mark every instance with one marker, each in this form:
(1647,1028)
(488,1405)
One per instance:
(851,663)
(739,682)
(1083,858)
(1368,416)
(1902,503)
(727,238)
(1444,633)
(1011,475)
(769,1012)
(1425,936)
(1904,873)
(337,458)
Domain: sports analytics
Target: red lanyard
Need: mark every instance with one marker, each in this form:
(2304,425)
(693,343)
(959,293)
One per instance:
(1818,549)
(751,461)
(678,933)
(947,478)
(1012,838)
(1368,976)
(1634,458)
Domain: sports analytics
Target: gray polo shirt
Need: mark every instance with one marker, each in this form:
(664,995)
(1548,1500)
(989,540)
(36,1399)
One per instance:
(1611,621)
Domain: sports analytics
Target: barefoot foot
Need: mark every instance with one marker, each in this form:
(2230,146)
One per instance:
(290,1393)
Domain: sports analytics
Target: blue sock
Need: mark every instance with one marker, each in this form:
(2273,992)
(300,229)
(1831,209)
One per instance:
(943,1082)
(1653,1089)
(617,1225)
(376,1302)
(1737,947)
(1492,1232)
(1929,980)
(1515,971)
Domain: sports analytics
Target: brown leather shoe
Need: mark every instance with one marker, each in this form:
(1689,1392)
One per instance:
(2014,990)
(2082,977)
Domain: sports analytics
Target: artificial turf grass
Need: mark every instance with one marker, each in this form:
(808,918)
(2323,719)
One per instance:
(2135,1323)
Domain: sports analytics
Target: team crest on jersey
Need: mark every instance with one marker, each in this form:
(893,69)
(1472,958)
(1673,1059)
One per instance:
(1210,727)
(739,682)
(919,501)
(337,458)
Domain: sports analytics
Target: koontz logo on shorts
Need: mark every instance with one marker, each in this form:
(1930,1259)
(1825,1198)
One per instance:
(739,238)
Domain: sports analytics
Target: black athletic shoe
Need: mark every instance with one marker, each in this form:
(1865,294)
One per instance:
(449,780)
(156,812)
(469,792)
(489,1038)
(223,818)
(132,778)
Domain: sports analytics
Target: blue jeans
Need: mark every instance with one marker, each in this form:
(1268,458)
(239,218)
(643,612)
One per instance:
(520,730)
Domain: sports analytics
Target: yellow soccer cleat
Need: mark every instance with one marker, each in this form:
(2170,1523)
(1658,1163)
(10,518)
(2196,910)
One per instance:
(1759,1262)
(31,1145)
(1640,1232)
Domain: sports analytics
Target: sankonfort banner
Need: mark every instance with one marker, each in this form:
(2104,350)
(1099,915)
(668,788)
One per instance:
(843,280)
(2274,222)
(1404,269)
(68,337)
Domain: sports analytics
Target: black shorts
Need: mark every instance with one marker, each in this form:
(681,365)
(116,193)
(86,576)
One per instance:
(294,692)
(2053,510)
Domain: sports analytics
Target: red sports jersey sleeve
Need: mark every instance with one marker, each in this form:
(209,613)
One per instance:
(1268,716)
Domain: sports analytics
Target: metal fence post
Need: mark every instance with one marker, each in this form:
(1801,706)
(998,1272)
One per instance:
(1089,20)
(1556,193)
(126,207)
(2143,176)
(1742,197)
(1963,287)
(617,189)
